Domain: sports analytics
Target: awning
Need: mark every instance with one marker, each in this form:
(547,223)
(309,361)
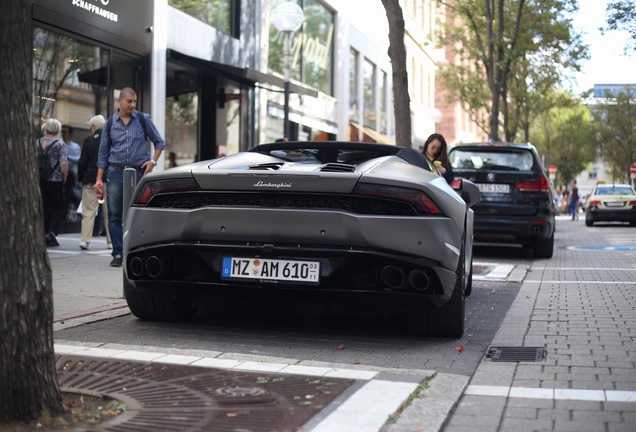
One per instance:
(245,76)
(368,134)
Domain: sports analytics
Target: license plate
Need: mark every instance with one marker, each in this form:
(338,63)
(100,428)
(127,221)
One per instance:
(493,188)
(271,269)
(614,203)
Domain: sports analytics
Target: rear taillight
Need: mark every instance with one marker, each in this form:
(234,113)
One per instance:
(594,203)
(151,189)
(419,200)
(632,203)
(542,186)
(456,184)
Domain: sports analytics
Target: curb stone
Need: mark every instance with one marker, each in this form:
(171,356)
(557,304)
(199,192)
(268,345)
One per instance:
(430,412)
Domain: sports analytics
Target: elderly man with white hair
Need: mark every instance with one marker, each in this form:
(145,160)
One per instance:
(86,176)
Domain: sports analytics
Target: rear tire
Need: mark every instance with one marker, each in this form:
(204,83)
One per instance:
(544,248)
(446,321)
(469,282)
(153,308)
(589,221)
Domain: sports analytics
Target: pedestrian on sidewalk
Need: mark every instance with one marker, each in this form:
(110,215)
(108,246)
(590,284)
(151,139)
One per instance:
(573,200)
(124,144)
(86,177)
(72,192)
(51,147)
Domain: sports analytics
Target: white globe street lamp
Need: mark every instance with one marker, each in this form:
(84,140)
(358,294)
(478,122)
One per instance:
(287,17)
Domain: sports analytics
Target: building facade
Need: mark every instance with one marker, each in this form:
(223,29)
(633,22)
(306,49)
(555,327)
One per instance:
(210,73)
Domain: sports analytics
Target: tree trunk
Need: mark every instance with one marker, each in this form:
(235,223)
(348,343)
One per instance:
(28,380)
(397,53)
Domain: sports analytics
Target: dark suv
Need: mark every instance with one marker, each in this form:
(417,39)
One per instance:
(517,202)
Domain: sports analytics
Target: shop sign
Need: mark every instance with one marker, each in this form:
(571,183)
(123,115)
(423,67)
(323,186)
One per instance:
(97,7)
(123,20)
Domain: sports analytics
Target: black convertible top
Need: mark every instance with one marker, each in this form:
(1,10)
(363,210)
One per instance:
(339,151)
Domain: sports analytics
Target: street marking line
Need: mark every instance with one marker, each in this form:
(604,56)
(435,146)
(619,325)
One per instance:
(579,282)
(551,393)
(588,268)
(500,271)
(248,365)
(368,408)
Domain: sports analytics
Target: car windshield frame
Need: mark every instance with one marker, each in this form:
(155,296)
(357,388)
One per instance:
(343,152)
(488,159)
(614,191)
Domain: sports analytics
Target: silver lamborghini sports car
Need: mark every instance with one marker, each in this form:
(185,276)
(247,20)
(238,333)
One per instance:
(364,228)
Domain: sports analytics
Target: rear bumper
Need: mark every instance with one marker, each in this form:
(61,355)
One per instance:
(436,238)
(596,215)
(513,228)
(191,273)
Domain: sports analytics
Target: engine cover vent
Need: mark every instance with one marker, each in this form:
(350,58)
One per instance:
(338,167)
(275,166)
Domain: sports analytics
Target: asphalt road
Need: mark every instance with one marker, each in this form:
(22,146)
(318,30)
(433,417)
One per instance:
(516,301)
(86,289)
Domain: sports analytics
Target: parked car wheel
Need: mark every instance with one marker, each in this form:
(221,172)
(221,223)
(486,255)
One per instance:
(544,247)
(445,321)
(589,221)
(469,283)
(154,308)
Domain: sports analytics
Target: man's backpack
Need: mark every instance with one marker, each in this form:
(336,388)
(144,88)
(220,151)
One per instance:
(44,164)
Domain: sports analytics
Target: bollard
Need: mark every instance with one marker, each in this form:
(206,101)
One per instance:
(130,183)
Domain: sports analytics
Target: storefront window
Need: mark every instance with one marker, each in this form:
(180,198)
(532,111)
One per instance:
(369,78)
(353,84)
(181,129)
(217,13)
(383,107)
(70,80)
(311,47)
(229,128)
(74,80)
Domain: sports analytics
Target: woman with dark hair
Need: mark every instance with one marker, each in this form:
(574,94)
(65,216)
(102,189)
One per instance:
(436,150)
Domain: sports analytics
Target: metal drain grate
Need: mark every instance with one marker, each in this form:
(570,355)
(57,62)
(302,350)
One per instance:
(166,397)
(516,354)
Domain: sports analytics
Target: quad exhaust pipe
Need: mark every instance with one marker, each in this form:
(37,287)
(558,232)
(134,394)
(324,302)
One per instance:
(419,280)
(392,276)
(395,279)
(136,266)
(153,266)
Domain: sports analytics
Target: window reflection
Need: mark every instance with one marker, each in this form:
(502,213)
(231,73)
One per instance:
(69,80)
(217,13)
(369,79)
(181,128)
(312,47)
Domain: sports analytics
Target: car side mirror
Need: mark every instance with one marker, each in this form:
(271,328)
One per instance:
(467,190)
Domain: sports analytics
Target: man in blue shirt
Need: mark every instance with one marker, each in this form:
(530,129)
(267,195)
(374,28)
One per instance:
(123,145)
